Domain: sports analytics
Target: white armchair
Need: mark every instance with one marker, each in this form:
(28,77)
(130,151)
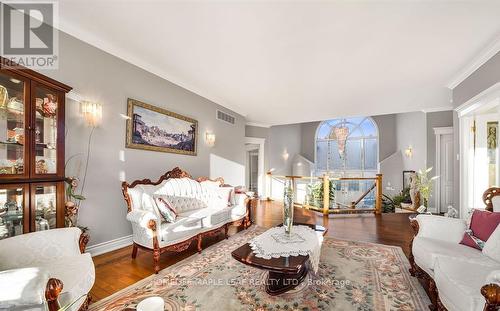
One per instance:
(459,277)
(52,258)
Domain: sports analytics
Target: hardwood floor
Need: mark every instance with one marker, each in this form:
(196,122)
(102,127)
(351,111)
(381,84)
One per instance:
(117,270)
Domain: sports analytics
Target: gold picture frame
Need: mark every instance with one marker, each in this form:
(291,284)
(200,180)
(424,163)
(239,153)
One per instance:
(157,129)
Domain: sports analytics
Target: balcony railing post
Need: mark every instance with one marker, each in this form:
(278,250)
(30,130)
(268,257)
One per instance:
(378,195)
(326,194)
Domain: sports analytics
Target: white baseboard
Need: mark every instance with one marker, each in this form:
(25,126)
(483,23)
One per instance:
(109,246)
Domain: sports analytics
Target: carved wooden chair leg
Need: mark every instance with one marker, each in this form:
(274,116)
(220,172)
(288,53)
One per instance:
(491,293)
(134,251)
(433,295)
(156,260)
(199,244)
(86,303)
(52,291)
(226,230)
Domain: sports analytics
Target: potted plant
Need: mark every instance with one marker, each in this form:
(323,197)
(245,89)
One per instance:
(424,185)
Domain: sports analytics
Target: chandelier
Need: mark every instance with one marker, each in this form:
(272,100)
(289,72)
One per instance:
(340,133)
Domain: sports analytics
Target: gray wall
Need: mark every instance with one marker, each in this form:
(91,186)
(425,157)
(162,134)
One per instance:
(436,119)
(387,135)
(101,77)
(481,79)
(411,130)
(284,138)
(484,77)
(308,138)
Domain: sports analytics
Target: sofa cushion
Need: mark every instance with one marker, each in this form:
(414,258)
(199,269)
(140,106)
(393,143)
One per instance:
(427,250)
(77,274)
(23,288)
(209,217)
(492,246)
(181,230)
(459,283)
(482,225)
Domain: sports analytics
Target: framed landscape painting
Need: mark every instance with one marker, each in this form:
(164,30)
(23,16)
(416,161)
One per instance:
(156,129)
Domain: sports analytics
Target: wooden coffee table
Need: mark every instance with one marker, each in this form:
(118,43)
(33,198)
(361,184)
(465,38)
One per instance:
(285,273)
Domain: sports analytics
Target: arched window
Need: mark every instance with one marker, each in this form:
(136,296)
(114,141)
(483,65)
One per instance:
(347,147)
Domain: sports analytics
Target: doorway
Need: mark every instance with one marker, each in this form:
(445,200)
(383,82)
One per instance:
(479,153)
(444,168)
(254,168)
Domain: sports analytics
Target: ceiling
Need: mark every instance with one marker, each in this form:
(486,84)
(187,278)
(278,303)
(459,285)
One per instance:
(279,62)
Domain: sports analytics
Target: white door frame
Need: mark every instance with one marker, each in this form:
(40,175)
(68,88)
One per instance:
(260,167)
(439,131)
(487,99)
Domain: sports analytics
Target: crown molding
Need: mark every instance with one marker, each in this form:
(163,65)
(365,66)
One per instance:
(487,98)
(258,124)
(488,52)
(437,109)
(75,96)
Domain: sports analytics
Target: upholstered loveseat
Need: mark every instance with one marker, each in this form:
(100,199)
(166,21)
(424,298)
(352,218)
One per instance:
(46,267)
(459,277)
(197,215)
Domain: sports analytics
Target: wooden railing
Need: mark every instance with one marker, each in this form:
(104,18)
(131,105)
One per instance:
(327,206)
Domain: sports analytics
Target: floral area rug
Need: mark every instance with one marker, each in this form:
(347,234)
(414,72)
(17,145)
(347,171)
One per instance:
(352,276)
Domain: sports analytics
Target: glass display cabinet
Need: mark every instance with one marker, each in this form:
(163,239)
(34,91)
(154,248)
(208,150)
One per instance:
(31,151)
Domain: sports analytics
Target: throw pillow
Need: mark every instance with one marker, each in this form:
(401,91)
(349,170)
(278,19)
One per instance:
(492,247)
(166,209)
(482,225)
(227,193)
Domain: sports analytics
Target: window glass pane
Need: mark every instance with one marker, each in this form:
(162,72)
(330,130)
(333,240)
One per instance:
(356,134)
(11,219)
(370,154)
(11,125)
(324,131)
(355,120)
(353,154)
(336,162)
(46,132)
(369,128)
(321,155)
(45,207)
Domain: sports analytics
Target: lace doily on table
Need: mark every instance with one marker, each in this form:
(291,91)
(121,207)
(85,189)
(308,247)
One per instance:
(275,243)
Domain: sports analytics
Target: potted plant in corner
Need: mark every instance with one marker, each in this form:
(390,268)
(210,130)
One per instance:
(424,185)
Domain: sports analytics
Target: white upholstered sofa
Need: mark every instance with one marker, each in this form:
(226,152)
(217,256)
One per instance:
(45,268)
(459,277)
(197,216)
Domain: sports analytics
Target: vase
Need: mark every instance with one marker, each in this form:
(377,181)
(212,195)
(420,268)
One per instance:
(288,208)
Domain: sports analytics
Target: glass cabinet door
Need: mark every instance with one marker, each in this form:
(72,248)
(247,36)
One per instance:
(46,116)
(14,212)
(13,121)
(44,200)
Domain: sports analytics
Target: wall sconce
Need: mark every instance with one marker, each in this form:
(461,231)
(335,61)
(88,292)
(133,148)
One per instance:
(91,112)
(285,155)
(409,151)
(210,139)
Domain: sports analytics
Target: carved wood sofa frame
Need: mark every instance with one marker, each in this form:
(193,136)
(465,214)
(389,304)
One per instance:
(181,246)
(491,292)
(55,286)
